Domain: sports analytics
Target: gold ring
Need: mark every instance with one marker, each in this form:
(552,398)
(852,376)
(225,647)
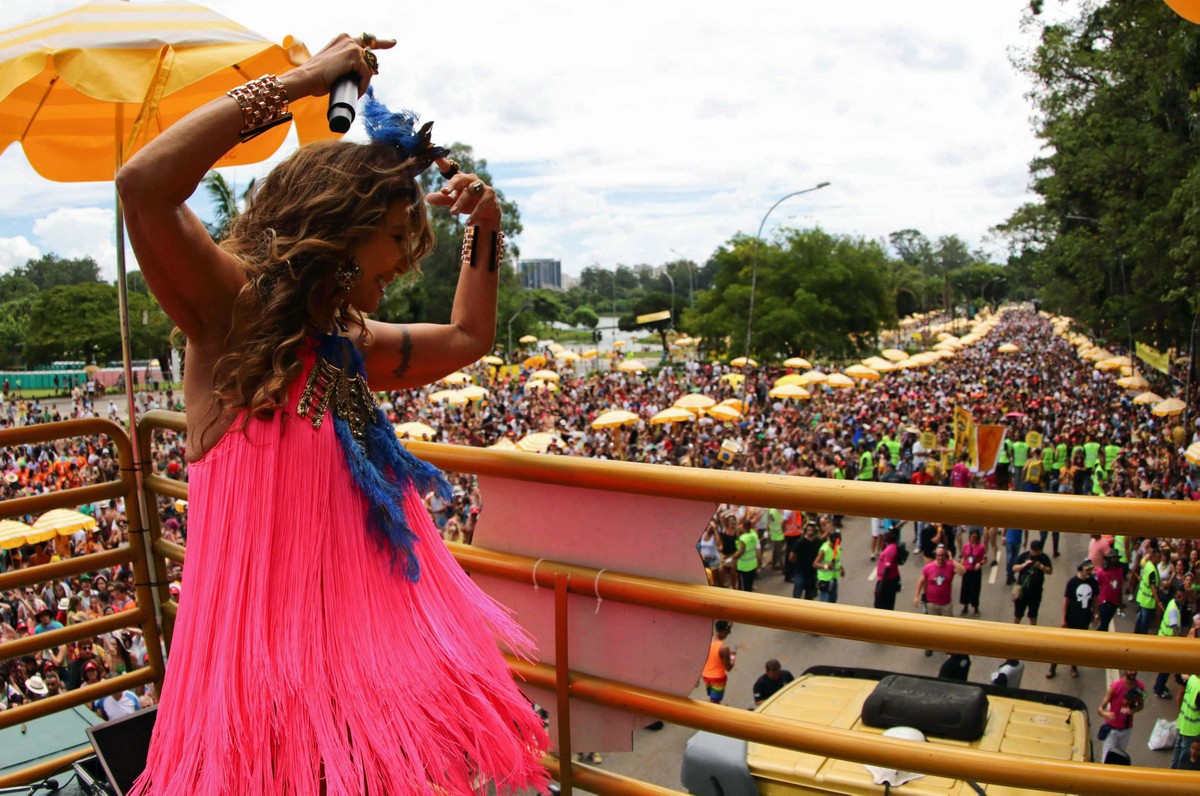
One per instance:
(368,40)
(372,61)
(476,187)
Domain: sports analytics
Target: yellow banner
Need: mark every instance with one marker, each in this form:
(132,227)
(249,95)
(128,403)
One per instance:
(964,429)
(1154,358)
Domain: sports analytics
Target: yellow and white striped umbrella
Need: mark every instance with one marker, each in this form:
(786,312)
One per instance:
(797,362)
(416,430)
(15,534)
(631,366)
(544,375)
(492,359)
(672,414)
(473,392)
(1171,406)
(452,397)
(790,391)
(74,84)
(540,442)
(1192,454)
(694,402)
(723,412)
(894,354)
(614,418)
(862,372)
(839,380)
(1147,398)
(62,522)
(457,377)
(741,362)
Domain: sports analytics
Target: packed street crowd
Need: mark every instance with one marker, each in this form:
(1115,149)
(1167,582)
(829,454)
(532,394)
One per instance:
(1094,441)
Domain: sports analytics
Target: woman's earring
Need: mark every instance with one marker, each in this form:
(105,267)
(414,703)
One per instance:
(347,274)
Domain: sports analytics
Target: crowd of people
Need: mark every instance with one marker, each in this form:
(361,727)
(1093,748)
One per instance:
(1094,441)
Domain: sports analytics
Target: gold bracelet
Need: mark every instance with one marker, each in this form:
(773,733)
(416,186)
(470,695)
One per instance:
(264,104)
(469,248)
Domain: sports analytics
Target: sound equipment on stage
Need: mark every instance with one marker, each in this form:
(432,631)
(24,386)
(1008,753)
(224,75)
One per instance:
(121,747)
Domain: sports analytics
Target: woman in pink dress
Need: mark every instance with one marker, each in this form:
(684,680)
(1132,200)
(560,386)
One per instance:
(326,640)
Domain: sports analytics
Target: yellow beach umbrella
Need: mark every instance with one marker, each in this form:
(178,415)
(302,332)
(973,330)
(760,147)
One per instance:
(415,430)
(726,413)
(541,384)
(791,378)
(555,348)
(181,505)
(504,444)
(631,366)
(492,359)
(880,364)
(566,356)
(736,404)
(619,344)
(1113,363)
(61,522)
(590,353)
(529,338)
(73,84)
(1008,348)
(1147,398)
(535,361)
(1134,382)
(694,402)
(790,391)
(862,372)
(540,442)
(893,354)
(545,375)
(840,381)
(735,379)
(797,362)
(452,397)
(14,534)
(814,377)
(473,392)
(672,414)
(615,418)
(1171,406)
(457,377)
(1192,454)
(741,362)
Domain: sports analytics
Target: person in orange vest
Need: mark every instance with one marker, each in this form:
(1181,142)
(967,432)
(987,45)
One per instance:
(720,662)
(793,527)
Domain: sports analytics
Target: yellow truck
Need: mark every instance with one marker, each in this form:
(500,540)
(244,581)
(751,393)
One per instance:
(1014,722)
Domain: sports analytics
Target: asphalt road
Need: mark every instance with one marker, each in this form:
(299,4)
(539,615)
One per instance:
(657,755)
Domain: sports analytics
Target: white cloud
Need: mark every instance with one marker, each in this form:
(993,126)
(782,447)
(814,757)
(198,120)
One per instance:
(16,252)
(81,232)
(627,129)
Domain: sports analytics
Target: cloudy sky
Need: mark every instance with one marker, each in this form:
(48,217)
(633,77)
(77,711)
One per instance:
(635,132)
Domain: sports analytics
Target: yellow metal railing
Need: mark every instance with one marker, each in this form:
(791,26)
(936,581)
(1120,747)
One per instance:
(976,507)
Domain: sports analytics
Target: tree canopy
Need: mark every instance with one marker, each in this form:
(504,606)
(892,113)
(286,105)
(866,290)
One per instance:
(1115,240)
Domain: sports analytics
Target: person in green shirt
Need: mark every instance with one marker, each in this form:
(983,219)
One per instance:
(1020,456)
(1171,625)
(775,533)
(746,557)
(866,464)
(828,565)
(892,446)
(1189,726)
(1147,598)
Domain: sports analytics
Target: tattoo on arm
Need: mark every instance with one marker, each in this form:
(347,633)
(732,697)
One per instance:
(405,353)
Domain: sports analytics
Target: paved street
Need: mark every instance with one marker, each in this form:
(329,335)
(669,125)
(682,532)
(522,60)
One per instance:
(657,755)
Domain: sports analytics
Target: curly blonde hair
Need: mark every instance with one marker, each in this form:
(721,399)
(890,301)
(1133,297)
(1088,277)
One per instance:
(300,225)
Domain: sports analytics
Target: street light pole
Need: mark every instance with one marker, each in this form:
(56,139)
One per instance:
(668,275)
(528,305)
(754,269)
(691,281)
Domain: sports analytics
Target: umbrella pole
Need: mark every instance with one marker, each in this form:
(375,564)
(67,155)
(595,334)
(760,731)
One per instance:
(149,575)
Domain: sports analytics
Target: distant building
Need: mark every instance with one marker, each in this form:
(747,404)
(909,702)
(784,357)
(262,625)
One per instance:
(541,273)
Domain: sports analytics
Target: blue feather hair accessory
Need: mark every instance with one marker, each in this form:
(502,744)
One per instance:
(382,468)
(399,129)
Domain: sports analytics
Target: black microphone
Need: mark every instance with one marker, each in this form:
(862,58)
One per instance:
(343,103)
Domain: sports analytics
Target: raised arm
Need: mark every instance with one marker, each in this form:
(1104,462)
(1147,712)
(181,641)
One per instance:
(410,355)
(194,280)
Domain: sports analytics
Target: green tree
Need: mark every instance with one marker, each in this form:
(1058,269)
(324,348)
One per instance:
(50,271)
(14,329)
(225,203)
(584,316)
(74,322)
(14,285)
(816,292)
(1116,242)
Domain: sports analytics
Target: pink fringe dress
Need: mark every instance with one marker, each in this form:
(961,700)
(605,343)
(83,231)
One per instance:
(301,651)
